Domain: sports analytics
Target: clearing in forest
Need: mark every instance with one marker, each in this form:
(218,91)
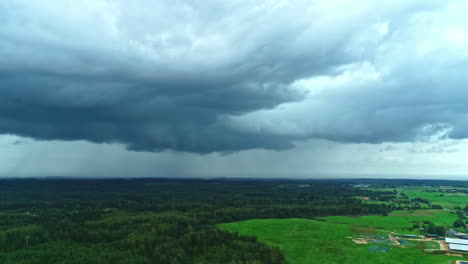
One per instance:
(305,241)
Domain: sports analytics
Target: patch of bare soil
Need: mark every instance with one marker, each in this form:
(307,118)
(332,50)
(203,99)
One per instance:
(443,246)
(359,241)
(393,239)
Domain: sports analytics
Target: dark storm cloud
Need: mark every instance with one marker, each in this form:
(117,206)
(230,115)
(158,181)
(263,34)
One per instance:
(142,116)
(157,76)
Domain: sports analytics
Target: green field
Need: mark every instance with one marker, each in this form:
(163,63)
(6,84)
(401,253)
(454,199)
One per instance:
(397,221)
(446,199)
(306,241)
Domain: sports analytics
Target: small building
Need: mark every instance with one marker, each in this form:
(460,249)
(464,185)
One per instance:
(432,235)
(456,241)
(458,247)
(451,232)
(457,244)
(410,236)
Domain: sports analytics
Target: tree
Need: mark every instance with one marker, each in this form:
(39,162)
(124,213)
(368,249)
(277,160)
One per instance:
(458,223)
(430,228)
(440,230)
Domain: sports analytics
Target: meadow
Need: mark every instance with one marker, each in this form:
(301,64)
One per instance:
(445,196)
(327,240)
(446,199)
(397,221)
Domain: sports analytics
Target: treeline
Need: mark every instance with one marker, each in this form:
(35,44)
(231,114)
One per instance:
(165,194)
(131,238)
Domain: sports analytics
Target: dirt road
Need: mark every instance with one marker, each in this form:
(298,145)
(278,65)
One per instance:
(443,245)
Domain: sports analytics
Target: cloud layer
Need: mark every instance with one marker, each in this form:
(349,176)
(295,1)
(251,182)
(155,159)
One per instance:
(211,76)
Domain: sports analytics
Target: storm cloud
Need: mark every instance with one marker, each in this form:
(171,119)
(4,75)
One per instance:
(224,76)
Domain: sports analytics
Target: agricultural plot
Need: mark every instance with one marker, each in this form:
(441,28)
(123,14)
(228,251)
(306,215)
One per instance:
(445,196)
(397,221)
(305,241)
(446,199)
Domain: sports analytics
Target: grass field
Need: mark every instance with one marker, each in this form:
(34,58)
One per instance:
(305,241)
(397,221)
(448,200)
(448,197)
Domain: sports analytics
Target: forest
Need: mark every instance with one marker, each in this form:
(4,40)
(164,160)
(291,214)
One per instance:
(163,220)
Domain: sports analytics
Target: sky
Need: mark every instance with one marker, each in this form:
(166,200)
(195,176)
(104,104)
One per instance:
(235,88)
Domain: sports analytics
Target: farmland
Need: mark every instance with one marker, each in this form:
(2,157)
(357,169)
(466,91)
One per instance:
(327,240)
(339,239)
(445,196)
(397,221)
(449,198)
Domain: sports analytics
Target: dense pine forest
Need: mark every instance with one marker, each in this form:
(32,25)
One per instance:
(161,220)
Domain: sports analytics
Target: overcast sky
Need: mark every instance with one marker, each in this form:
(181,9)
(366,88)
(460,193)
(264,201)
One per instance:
(207,88)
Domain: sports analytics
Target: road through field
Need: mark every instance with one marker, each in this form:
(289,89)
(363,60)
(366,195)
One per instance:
(443,245)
